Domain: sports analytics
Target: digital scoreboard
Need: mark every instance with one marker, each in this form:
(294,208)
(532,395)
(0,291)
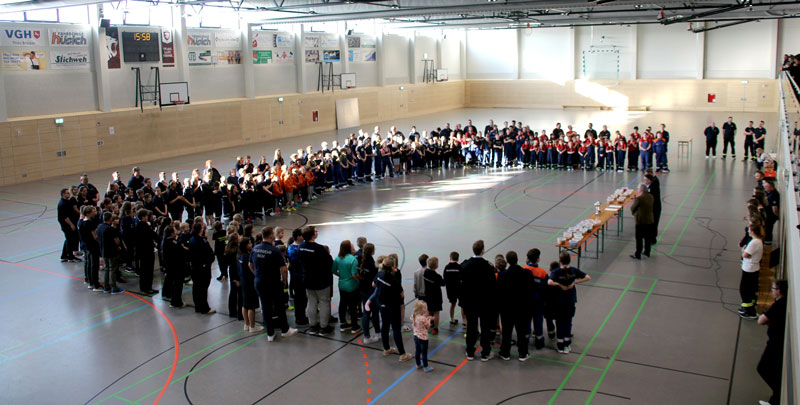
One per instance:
(140,46)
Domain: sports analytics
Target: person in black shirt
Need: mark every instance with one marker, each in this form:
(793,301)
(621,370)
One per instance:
(770,367)
(760,136)
(367,272)
(110,248)
(66,208)
(145,239)
(711,133)
(515,290)
(316,261)
(772,211)
(565,278)
(478,299)
(433,291)
(87,227)
(201,257)
(728,132)
(452,283)
(749,143)
(654,188)
(270,277)
(557,132)
(174,254)
(137,180)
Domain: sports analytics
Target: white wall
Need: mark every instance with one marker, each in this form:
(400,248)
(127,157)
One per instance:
(396,54)
(789,33)
(451,57)
(424,45)
(677,60)
(275,79)
(489,52)
(604,38)
(546,54)
(742,51)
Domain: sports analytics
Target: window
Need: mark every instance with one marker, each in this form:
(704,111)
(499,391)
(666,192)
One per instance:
(47,15)
(161,16)
(114,14)
(77,14)
(137,13)
(20,16)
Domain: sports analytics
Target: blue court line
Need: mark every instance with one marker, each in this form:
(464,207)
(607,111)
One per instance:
(41,287)
(28,216)
(52,342)
(394,384)
(634,179)
(8,259)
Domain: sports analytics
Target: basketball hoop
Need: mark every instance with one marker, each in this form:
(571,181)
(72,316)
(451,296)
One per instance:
(178,102)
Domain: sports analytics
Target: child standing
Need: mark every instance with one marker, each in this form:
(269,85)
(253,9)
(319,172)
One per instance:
(433,292)
(565,278)
(452,282)
(421,321)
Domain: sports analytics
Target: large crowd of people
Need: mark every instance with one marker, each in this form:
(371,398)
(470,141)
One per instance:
(188,224)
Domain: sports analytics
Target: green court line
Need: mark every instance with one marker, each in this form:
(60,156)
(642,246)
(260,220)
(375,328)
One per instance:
(619,346)
(618,274)
(680,206)
(615,287)
(691,215)
(571,221)
(122,399)
(226,354)
(115,395)
(67,326)
(589,345)
(496,349)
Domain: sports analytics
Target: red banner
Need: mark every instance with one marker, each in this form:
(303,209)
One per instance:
(112,48)
(167,49)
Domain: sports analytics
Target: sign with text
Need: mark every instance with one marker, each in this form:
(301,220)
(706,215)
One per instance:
(14,36)
(282,40)
(167,49)
(200,39)
(229,57)
(69,37)
(262,57)
(69,60)
(282,56)
(227,39)
(331,56)
(199,58)
(25,60)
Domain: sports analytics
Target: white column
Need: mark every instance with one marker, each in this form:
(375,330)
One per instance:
(438,64)
(700,47)
(247,60)
(773,48)
(518,53)
(300,59)
(101,79)
(463,55)
(3,105)
(572,59)
(379,54)
(635,53)
(412,56)
(179,42)
(343,47)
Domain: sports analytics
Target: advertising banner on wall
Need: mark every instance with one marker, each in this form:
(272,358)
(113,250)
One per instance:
(282,40)
(284,56)
(199,58)
(78,59)
(353,41)
(227,39)
(312,56)
(311,41)
(329,41)
(69,37)
(15,36)
(331,56)
(229,57)
(368,42)
(112,48)
(260,39)
(24,60)
(361,55)
(200,39)
(167,49)
(262,57)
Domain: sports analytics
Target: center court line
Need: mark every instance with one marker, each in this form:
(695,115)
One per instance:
(394,384)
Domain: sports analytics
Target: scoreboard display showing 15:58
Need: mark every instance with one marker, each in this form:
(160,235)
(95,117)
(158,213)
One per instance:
(140,46)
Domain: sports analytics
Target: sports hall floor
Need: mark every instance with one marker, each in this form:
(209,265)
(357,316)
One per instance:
(660,331)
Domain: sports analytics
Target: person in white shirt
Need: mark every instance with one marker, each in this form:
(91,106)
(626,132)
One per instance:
(32,61)
(751,264)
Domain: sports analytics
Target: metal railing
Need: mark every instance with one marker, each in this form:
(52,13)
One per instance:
(789,236)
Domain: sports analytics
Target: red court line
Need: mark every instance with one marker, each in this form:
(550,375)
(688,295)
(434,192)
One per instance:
(171,326)
(455,370)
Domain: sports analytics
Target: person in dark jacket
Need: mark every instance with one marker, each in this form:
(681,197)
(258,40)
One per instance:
(433,291)
(711,133)
(389,298)
(770,367)
(316,261)
(367,272)
(202,256)
(145,240)
(654,188)
(296,285)
(642,210)
(174,256)
(477,299)
(515,287)
(540,291)
(565,278)
(270,276)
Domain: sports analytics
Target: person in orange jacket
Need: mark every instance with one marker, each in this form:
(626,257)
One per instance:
(288,188)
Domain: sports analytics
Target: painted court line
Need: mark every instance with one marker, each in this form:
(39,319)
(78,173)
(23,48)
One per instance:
(32,290)
(691,215)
